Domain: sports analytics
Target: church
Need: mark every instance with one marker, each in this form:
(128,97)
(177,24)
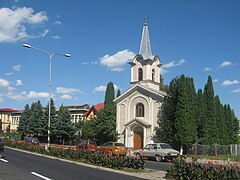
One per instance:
(138,107)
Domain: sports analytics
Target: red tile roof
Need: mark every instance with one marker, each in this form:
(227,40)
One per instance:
(96,107)
(9,110)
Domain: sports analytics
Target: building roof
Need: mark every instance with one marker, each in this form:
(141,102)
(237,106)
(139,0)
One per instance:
(9,110)
(145,47)
(96,108)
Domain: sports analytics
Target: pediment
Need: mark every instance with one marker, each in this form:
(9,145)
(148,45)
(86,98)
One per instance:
(145,91)
(137,121)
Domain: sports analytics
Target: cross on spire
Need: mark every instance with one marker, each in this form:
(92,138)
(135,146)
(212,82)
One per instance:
(145,19)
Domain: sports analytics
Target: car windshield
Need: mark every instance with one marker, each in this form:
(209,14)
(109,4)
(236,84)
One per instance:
(119,144)
(165,146)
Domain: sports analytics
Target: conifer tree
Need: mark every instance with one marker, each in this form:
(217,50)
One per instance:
(166,118)
(221,125)
(200,115)
(185,124)
(64,126)
(118,93)
(23,121)
(211,131)
(106,118)
(36,114)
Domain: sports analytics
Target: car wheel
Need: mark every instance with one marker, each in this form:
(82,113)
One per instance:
(137,156)
(158,158)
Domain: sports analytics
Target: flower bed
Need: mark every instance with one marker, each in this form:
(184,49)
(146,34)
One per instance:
(195,170)
(96,158)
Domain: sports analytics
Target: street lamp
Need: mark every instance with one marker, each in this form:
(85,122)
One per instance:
(50,55)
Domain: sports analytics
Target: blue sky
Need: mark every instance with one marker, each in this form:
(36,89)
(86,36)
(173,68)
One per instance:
(195,38)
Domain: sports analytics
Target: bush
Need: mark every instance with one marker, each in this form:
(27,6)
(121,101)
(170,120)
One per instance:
(85,156)
(194,170)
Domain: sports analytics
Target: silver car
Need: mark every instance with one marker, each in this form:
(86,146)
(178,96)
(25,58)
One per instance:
(157,151)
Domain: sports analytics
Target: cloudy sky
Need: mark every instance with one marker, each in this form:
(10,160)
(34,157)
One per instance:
(195,38)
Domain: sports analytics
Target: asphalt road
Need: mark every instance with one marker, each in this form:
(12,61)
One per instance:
(17,165)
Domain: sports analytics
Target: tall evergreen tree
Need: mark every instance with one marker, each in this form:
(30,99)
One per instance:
(118,93)
(185,123)
(106,118)
(64,126)
(36,114)
(211,131)
(166,118)
(23,121)
(200,115)
(109,96)
(221,126)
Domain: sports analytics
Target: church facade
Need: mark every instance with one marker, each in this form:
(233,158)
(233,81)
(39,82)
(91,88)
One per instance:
(138,107)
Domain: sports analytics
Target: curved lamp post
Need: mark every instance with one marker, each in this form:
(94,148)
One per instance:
(50,55)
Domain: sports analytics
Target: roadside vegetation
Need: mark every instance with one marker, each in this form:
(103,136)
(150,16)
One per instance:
(95,158)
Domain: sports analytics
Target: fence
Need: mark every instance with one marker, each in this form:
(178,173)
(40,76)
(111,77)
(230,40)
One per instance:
(216,149)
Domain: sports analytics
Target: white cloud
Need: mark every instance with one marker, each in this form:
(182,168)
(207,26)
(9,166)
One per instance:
(207,69)
(229,82)
(19,82)
(66,97)
(173,64)
(100,88)
(58,23)
(17,67)
(226,63)
(33,94)
(1,100)
(63,90)
(8,74)
(163,71)
(91,62)
(116,61)
(44,33)
(14,23)
(215,80)
(4,84)
(236,91)
(56,37)
(103,88)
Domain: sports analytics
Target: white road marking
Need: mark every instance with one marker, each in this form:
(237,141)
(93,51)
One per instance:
(41,176)
(4,160)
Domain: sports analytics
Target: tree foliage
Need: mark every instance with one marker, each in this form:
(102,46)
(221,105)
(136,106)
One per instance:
(106,118)
(188,117)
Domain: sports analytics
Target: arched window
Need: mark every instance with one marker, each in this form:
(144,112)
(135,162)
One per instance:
(140,74)
(139,110)
(153,75)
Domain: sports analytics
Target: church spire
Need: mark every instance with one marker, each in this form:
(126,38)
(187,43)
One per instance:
(145,47)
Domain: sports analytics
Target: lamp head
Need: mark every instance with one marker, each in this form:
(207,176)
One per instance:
(26,46)
(67,55)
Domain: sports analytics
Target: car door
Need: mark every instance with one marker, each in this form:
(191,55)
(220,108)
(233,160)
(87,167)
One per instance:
(146,150)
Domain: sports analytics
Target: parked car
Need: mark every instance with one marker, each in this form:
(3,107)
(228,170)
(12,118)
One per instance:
(32,140)
(157,151)
(87,144)
(114,148)
(1,148)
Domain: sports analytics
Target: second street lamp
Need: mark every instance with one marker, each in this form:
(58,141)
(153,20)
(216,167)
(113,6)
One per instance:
(50,55)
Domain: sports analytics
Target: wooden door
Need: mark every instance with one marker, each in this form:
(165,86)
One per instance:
(138,138)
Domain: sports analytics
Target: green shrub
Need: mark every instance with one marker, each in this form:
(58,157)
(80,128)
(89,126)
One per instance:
(195,171)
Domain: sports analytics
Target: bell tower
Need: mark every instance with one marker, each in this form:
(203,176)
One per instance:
(145,67)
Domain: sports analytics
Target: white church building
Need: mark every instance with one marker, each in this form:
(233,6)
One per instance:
(138,107)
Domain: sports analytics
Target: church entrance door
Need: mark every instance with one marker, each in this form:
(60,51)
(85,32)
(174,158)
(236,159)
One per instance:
(138,138)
